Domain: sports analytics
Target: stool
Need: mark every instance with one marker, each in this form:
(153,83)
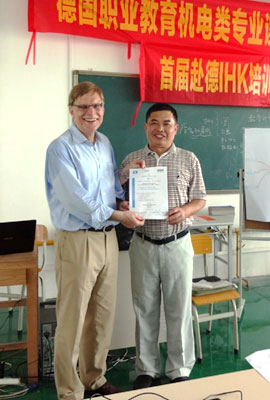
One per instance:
(209,299)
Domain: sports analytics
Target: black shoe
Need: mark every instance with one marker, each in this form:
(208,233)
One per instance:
(143,381)
(180,379)
(104,390)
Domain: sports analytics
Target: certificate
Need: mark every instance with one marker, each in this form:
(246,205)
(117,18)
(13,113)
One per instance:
(148,192)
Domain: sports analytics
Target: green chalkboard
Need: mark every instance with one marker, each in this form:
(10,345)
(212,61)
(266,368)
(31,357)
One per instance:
(213,133)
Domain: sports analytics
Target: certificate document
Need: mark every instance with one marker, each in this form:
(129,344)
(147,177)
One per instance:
(148,192)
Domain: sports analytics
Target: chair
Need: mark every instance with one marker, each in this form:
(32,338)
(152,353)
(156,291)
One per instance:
(202,245)
(41,240)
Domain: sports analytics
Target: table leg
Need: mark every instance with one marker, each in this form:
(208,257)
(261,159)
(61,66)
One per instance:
(230,253)
(32,324)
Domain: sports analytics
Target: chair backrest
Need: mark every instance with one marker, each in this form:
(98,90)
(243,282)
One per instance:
(41,235)
(41,239)
(202,244)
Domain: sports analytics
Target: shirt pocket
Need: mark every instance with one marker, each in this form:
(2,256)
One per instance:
(180,180)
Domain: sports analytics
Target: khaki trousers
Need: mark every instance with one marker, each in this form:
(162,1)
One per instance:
(86,274)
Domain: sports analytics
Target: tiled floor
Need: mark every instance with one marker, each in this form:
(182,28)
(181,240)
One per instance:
(218,354)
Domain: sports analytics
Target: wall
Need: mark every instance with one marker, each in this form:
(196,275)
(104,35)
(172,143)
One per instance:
(33,111)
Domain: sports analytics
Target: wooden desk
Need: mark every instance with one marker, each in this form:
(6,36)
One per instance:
(252,385)
(21,269)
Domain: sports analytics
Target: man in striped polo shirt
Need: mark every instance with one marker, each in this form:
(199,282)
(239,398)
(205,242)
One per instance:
(161,254)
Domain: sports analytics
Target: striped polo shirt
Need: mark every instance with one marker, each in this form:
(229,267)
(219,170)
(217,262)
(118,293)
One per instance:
(185,183)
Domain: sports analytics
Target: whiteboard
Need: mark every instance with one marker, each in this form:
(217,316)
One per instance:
(257,173)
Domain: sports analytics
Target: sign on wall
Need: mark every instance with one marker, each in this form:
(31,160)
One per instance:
(182,75)
(204,52)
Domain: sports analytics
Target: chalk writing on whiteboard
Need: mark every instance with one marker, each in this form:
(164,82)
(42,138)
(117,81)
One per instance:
(258,118)
(225,126)
(204,131)
(229,143)
(195,133)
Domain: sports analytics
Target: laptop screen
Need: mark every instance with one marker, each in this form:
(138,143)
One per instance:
(17,236)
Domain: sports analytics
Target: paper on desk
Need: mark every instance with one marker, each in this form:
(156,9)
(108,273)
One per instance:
(260,360)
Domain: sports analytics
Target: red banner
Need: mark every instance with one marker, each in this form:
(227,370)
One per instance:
(182,75)
(236,24)
(205,52)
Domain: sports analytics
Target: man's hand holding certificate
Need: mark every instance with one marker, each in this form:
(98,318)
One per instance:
(148,192)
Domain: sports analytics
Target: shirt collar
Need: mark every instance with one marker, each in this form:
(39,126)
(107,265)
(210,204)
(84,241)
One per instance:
(78,137)
(172,149)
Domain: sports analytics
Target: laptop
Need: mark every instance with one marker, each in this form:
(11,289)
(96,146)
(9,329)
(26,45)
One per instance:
(17,236)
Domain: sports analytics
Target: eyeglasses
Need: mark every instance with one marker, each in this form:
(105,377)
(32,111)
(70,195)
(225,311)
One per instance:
(84,107)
